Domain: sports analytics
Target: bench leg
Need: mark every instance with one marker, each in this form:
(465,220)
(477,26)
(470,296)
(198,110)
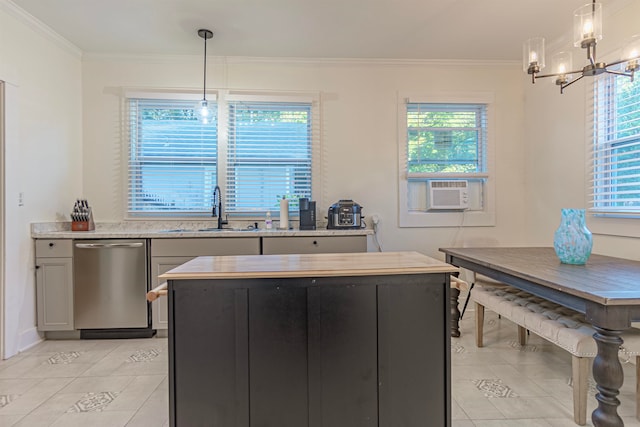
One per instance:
(479,324)
(522,335)
(580,377)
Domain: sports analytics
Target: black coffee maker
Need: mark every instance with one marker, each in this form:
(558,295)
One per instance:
(307,214)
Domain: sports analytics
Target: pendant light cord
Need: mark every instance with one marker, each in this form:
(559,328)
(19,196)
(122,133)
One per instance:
(205,34)
(204,89)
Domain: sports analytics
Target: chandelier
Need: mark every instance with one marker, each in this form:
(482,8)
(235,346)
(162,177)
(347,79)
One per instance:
(587,30)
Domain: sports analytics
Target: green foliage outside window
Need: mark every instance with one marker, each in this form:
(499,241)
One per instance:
(445,138)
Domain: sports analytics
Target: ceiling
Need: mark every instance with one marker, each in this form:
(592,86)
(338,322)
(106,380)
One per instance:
(381,29)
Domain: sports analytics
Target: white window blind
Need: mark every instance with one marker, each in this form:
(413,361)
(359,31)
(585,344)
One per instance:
(269,155)
(172,159)
(446,139)
(615,148)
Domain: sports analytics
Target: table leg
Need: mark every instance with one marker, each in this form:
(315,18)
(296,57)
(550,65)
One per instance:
(608,374)
(455,312)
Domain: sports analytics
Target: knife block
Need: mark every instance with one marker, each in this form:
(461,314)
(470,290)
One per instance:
(88,225)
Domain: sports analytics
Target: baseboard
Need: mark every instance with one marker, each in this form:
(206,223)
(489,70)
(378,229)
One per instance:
(28,339)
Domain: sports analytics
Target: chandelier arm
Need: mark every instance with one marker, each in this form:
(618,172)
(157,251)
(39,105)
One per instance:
(622,61)
(618,73)
(559,74)
(562,87)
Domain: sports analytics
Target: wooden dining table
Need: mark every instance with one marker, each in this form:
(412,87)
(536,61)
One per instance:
(606,289)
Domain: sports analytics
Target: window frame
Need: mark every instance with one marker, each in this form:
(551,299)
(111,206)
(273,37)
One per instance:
(222,97)
(602,124)
(486,179)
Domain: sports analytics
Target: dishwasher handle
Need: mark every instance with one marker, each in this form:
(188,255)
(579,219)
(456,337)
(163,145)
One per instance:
(108,245)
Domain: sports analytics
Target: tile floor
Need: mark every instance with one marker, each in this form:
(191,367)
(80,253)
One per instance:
(115,383)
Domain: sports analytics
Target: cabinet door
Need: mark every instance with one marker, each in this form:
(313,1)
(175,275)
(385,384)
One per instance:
(414,352)
(343,388)
(313,245)
(160,265)
(54,294)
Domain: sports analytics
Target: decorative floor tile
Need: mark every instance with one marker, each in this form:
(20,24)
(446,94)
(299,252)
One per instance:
(5,399)
(63,357)
(457,348)
(93,402)
(145,355)
(494,388)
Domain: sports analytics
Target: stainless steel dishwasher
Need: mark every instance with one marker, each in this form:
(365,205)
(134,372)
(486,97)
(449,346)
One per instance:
(111,279)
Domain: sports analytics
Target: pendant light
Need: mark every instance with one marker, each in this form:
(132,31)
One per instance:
(203,111)
(586,33)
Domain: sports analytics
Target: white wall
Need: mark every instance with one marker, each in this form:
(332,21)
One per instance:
(359,129)
(557,143)
(43,155)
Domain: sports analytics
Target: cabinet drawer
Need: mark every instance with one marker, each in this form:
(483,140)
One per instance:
(312,245)
(206,247)
(54,248)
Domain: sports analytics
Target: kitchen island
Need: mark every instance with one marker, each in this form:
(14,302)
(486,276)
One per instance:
(358,339)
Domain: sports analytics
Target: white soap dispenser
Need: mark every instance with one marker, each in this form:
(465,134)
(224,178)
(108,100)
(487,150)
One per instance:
(267,221)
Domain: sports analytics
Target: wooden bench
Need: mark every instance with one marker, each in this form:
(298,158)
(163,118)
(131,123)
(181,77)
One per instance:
(562,326)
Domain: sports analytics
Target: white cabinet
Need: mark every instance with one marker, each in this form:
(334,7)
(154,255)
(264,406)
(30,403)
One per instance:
(54,284)
(313,245)
(170,253)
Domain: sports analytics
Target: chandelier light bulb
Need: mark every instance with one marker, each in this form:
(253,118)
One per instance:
(587,30)
(587,25)
(533,55)
(205,113)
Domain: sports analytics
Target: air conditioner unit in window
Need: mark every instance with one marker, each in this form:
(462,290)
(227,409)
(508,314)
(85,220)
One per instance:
(448,195)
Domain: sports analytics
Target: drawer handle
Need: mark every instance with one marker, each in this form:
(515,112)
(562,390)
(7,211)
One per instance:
(315,242)
(51,244)
(107,245)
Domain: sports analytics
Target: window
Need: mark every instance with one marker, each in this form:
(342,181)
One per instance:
(444,138)
(172,159)
(258,149)
(269,155)
(616,146)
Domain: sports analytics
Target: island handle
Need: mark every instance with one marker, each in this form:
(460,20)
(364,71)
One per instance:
(157,292)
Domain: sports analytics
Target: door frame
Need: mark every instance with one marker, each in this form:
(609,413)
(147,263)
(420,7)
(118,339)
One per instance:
(2,217)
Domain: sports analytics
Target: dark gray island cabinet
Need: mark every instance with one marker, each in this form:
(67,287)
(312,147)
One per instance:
(332,340)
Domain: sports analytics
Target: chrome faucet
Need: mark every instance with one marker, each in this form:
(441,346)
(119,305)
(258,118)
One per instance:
(217,207)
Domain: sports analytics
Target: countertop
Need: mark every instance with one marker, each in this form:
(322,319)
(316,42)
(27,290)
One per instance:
(308,265)
(175,229)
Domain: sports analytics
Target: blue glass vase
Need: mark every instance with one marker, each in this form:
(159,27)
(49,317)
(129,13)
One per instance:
(572,240)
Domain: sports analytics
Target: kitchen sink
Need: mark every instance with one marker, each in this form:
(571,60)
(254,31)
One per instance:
(227,229)
(209,229)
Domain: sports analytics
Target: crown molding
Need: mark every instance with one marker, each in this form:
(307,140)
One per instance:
(39,27)
(159,58)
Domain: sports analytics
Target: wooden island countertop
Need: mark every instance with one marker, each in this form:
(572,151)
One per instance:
(308,265)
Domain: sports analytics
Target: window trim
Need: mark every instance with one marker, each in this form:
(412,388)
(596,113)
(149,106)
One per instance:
(483,218)
(604,104)
(601,221)
(222,96)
